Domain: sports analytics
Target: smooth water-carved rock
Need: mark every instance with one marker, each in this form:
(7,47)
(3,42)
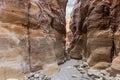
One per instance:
(37,38)
(115,12)
(101,65)
(78,16)
(14,13)
(98,20)
(115,67)
(14,55)
(98,41)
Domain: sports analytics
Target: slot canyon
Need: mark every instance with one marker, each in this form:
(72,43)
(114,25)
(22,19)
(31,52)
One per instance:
(38,41)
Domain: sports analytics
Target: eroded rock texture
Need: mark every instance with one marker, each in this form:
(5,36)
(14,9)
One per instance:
(13,51)
(32,36)
(95,26)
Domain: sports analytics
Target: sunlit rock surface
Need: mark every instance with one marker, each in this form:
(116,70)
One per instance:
(32,36)
(14,60)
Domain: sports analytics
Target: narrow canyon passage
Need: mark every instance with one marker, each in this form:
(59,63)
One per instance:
(59,39)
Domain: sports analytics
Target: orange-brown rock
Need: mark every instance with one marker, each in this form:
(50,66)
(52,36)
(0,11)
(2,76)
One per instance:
(99,55)
(115,13)
(115,66)
(99,20)
(32,36)
(78,16)
(14,57)
(101,66)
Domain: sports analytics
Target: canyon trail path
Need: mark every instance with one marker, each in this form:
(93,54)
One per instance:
(68,71)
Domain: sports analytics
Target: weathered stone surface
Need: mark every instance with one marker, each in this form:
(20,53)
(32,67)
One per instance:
(96,41)
(78,16)
(93,19)
(115,12)
(101,65)
(17,14)
(100,55)
(115,67)
(77,51)
(54,15)
(99,21)
(116,25)
(69,37)
(13,51)
(34,37)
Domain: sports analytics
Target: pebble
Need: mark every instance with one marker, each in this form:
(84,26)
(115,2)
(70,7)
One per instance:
(117,77)
(86,74)
(85,64)
(104,72)
(74,76)
(80,69)
(86,77)
(94,73)
(37,76)
(106,78)
(91,74)
(76,66)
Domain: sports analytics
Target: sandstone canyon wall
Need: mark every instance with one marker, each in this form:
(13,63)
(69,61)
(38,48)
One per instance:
(95,26)
(32,36)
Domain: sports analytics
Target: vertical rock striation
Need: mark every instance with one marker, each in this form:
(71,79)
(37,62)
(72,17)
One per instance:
(32,36)
(98,22)
(115,14)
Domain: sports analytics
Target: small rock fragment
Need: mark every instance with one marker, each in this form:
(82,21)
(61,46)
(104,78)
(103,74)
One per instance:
(74,76)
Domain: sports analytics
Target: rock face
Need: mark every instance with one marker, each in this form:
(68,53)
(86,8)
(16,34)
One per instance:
(115,12)
(32,36)
(80,8)
(115,67)
(13,51)
(98,21)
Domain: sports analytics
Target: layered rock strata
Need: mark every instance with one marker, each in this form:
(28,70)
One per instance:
(32,36)
(98,22)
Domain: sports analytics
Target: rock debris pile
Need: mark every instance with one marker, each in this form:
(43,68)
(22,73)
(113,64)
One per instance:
(85,73)
(92,74)
(37,76)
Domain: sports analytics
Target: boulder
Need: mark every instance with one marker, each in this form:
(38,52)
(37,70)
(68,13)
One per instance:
(115,66)
(101,66)
(98,54)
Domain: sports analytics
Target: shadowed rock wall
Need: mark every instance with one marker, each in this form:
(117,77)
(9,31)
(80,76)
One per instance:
(95,27)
